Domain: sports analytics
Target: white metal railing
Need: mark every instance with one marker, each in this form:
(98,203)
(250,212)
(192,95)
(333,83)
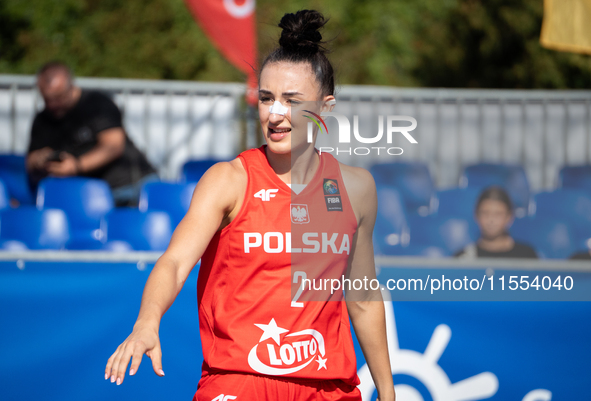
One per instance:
(172,121)
(382,262)
(540,129)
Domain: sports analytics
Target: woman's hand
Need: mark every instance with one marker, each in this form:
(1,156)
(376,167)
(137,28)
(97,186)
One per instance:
(143,340)
(214,203)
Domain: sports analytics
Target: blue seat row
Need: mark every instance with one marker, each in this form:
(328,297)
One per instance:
(428,222)
(413,216)
(173,198)
(558,224)
(419,194)
(89,219)
(30,228)
(123,230)
(13,174)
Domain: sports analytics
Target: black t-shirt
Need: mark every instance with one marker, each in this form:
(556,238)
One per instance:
(77,133)
(519,250)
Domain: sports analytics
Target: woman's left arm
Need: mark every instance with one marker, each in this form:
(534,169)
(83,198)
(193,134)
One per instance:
(366,306)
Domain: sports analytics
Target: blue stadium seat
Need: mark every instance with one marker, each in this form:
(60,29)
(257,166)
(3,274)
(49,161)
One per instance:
(412,180)
(425,251)
(91,244)
(13,245)
(194,169)
(85,243)
(457,202)
(4,198)
(449,233)
(37,229)
(14,175)
(173,198)
(551,238)
(571,205)
(150,231)
(85,201)
(510,177)
(391,228)
(118,246)
(575,177)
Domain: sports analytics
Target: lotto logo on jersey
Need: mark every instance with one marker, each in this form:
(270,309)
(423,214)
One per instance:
(280,352)
(299,214)
(266,194)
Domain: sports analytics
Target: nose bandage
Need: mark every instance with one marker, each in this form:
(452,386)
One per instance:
(278,108)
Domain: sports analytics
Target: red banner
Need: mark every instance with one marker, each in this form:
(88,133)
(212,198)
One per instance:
(230,24)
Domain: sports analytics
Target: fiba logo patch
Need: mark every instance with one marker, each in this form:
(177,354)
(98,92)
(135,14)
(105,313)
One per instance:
(332,195)
(299,214)
(330,187)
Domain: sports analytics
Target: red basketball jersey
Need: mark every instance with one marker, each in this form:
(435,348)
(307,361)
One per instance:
(252,318)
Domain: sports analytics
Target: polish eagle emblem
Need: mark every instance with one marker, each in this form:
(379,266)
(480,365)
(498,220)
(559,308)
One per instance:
(299,214)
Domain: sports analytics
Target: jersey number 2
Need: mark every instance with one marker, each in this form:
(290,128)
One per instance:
(294,301)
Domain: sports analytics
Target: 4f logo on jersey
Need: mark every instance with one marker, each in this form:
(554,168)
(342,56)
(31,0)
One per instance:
(266,194)
(299,214)
(223,397)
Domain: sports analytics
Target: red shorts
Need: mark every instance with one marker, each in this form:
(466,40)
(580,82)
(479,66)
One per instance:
(245,387)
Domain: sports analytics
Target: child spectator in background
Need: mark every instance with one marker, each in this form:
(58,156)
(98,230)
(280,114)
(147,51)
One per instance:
(494,215)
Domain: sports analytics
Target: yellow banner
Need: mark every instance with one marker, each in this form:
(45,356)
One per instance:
(567,25)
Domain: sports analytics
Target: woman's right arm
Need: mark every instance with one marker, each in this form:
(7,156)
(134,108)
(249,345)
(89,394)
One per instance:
(216,200)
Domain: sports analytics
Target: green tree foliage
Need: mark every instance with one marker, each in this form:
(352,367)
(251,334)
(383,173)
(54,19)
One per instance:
(110,38)
(450,43)
(494,44)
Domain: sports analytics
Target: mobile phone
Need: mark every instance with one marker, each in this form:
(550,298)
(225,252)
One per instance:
(55,156)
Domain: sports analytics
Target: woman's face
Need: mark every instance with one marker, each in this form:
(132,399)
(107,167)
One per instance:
(296,88)
(493,218)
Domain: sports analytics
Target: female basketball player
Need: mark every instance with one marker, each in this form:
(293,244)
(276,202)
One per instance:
(258,239)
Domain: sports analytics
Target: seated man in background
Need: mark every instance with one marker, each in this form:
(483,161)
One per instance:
(80,133)
(494,215)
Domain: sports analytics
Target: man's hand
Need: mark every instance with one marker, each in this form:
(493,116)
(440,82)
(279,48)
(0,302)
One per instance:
(67,167)
(37,159)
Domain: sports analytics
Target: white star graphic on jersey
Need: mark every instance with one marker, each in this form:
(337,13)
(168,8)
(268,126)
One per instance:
(321,362)
(271,331)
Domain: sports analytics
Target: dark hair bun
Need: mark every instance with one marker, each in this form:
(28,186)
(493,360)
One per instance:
(300,31)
